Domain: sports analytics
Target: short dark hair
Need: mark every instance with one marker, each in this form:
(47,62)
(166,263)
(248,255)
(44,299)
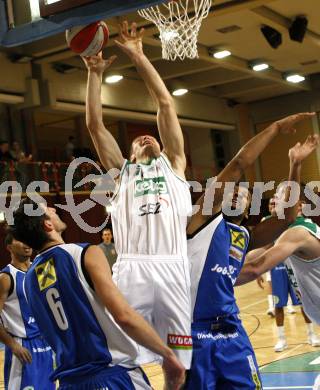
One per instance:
(8,239)
(106,229)
(29,229)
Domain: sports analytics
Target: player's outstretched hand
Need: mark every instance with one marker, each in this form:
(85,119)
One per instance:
(23,354)
(174,372)
(130,42)
(97,63)
(301,151)
(287,125)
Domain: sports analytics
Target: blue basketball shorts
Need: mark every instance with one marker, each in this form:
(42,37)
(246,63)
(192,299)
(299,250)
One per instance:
(110,378)
(223,358)
(281,287)
(34,376)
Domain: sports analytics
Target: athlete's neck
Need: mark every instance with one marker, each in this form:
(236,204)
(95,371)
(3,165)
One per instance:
(145,160)
(51,243)
(235,220)
(21,264)
(146,157)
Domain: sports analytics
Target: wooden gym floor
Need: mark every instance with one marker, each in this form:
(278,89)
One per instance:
(262,331)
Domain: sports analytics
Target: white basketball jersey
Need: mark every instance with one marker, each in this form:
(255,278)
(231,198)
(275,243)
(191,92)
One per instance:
(307,273)
(16,315)
(150,210)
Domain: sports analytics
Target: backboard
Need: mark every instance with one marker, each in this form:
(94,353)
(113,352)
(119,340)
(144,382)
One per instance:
(53,7)
(44,18)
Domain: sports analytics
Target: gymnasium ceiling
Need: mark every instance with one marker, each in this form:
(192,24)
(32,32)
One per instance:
(229,78)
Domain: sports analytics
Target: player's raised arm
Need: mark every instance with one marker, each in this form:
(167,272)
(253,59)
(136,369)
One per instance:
(289,242)
(127,318)
(242,160)
(168,124)
(106,146)
(270,229)
(18,350)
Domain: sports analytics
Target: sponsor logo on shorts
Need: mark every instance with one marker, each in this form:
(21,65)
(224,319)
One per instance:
(41,350)
(31,320)
(254,373)
(46,274)
(225,336)
(28,388)
(155,185)
(228,271)
(179,342)
(279,268)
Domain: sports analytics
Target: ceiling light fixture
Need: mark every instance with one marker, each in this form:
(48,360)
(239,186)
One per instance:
(180,92)
(115,78)
(258,67)
(295,78)
(221,54)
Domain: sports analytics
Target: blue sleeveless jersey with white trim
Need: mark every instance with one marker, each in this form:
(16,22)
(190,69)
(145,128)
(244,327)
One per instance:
(69,316)
(217,254)
(16,315)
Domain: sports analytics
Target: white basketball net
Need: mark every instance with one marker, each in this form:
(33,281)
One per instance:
(179,23)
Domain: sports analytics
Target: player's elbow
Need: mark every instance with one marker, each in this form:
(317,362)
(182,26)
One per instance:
(123,318)
(166,103)
(240,163)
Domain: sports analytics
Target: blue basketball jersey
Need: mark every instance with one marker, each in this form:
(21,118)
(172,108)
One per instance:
(16,315)
(223,357)
(216,253)
(74,322)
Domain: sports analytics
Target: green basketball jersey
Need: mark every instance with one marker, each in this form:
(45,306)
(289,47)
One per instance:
(307,224)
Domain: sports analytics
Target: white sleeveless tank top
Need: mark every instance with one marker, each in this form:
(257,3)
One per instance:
(150,210)
(16,315)
(307,273)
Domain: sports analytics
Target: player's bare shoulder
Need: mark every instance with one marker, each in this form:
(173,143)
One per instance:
(308,243)
(178,163)
(5,285)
